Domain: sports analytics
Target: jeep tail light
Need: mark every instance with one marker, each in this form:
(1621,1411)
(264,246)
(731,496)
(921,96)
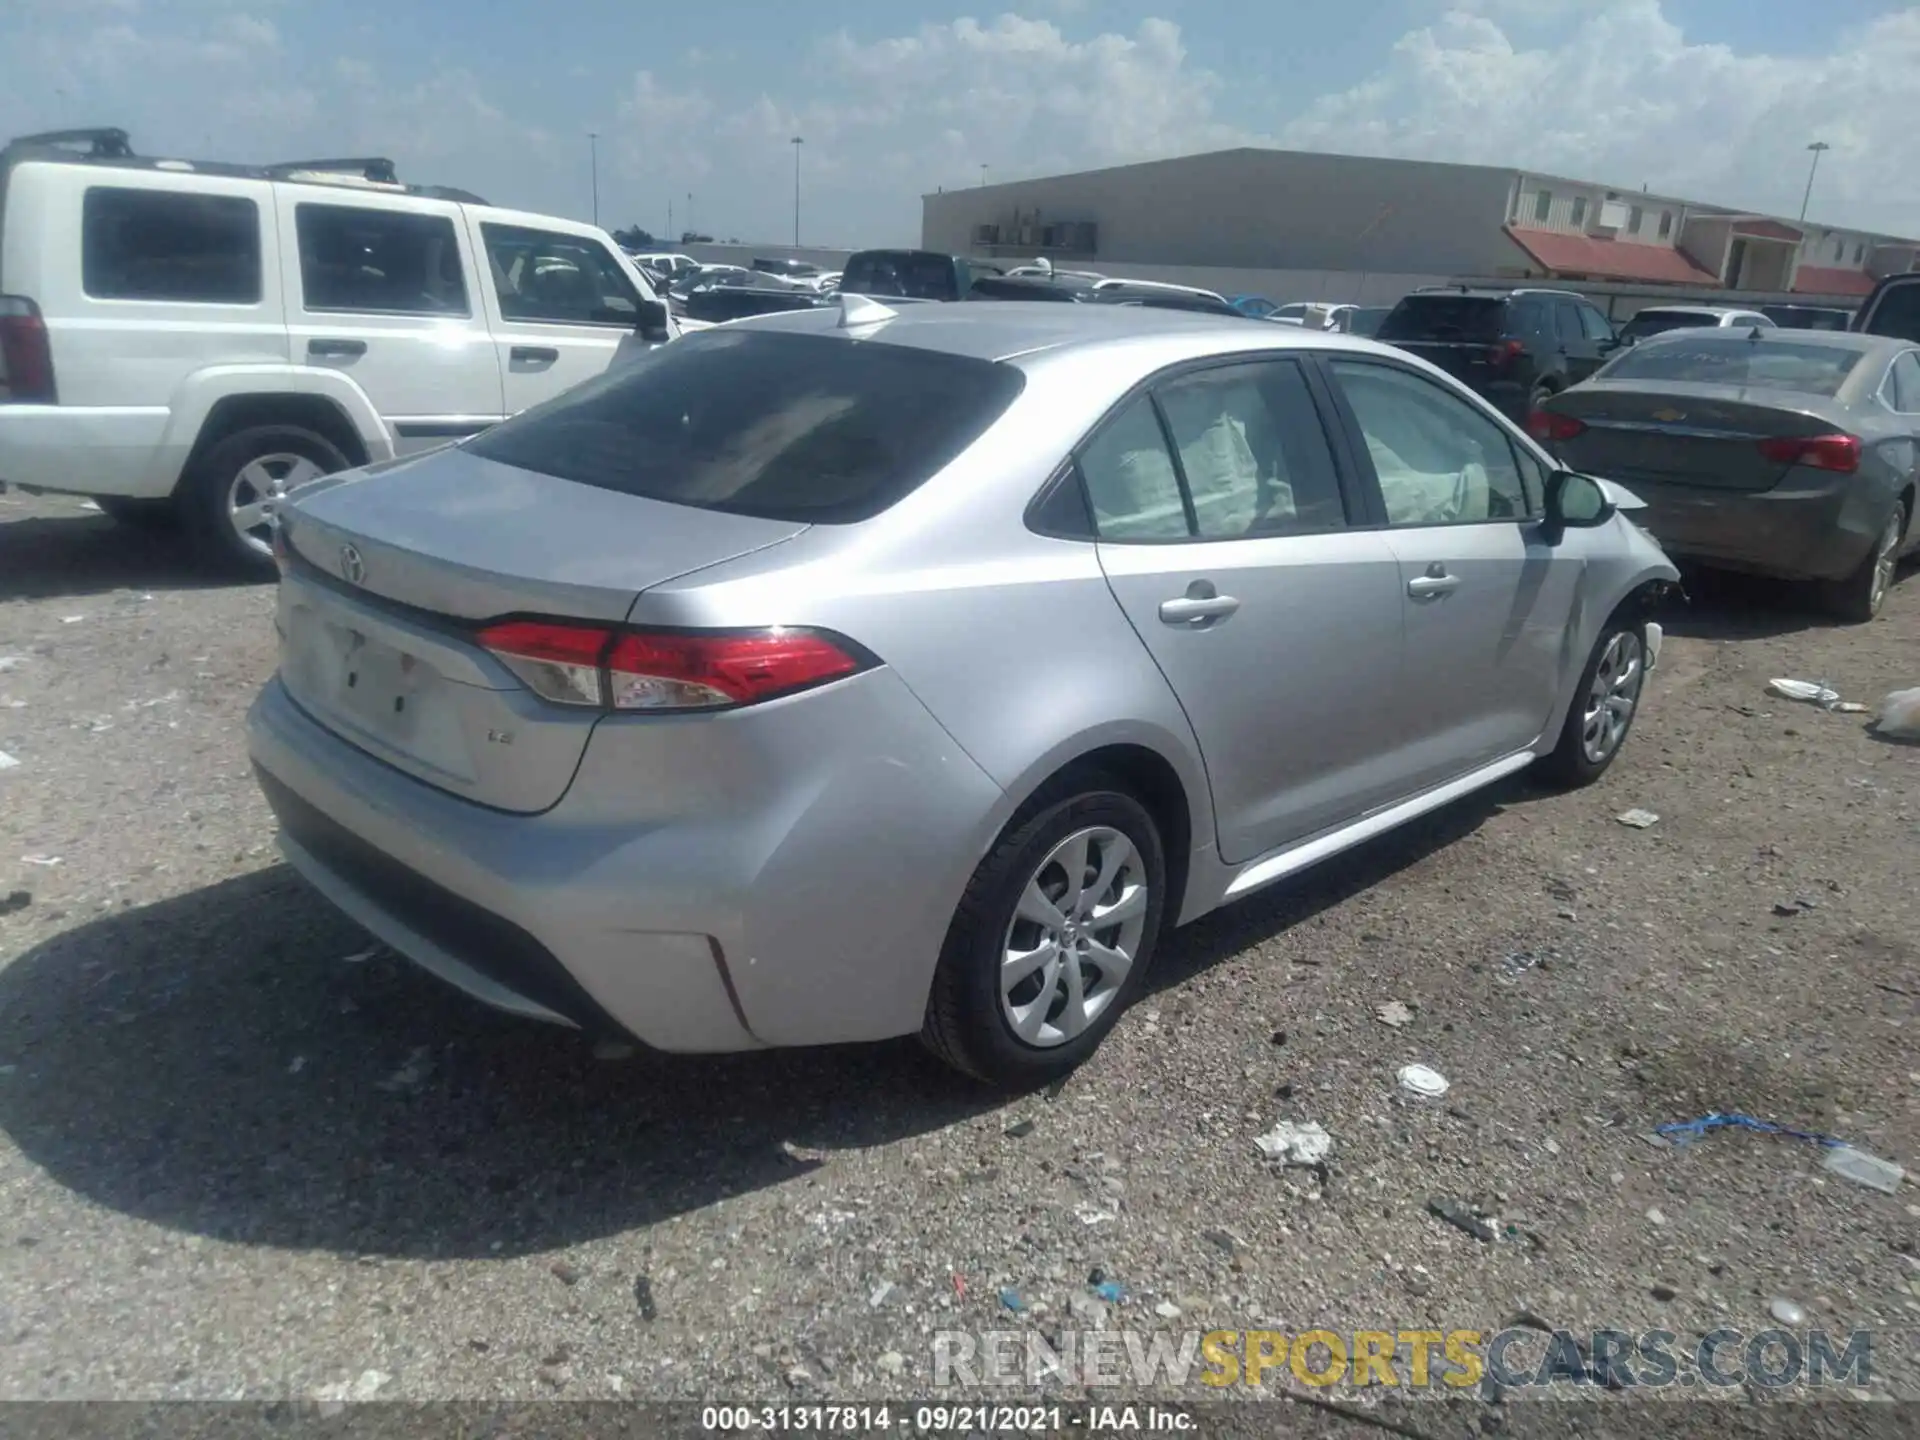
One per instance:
(1550,426)
(26,357)
(665,670)
(1838,453)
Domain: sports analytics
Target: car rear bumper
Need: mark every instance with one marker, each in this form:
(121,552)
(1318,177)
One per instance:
(84,449)
(813,916)
(1817,530)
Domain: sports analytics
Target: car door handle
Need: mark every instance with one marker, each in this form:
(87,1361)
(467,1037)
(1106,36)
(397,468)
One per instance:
(339,349)
(1196,610)
(1431,586)
(535,354)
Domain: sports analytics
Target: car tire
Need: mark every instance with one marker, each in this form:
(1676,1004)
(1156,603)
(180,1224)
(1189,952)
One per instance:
(218,480)
(139,514)
(971,1019)
(1539,396)
(1860,597)
(1591,741)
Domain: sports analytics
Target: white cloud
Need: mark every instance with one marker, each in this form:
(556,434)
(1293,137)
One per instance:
(1622,95)
(1610,89)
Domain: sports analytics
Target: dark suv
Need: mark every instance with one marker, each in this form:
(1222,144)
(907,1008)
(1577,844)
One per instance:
(1516,347)
(1892,309)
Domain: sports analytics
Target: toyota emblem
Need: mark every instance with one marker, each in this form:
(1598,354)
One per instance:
(352,568)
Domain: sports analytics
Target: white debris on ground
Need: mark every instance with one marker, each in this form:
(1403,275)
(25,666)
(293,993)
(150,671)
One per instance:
(1296,1143)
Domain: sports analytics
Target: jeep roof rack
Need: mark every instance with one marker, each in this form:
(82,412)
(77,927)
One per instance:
(373,168)
(106,142)
(112,146)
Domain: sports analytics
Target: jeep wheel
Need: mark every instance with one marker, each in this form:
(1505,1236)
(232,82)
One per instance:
(229,494)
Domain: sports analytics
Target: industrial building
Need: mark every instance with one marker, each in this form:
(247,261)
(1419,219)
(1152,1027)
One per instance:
(1295,224)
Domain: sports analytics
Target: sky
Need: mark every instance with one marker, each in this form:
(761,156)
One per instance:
(696,105)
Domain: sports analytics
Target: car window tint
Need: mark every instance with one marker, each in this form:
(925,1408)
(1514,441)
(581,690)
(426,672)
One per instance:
(1906,384)
(389,262)
(1729,357)
(1529,317)
(1253,452)
(1898,312)
(1595,324)
(1445,317)
(1439,460)
(158,245)
(1130,478)
(1566,320)
(760,422)
(561,279)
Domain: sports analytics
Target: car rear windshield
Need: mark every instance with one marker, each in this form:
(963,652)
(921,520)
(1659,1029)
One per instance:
(1446,317)
(762,423)
(1897,314)
(1658,322)
(900,275)
(1766,364)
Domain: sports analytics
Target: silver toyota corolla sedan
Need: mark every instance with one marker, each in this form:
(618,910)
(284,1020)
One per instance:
(874,671)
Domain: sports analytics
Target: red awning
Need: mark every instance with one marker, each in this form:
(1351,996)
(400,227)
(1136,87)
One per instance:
(1767,230)
(1813,280)
(1604,259)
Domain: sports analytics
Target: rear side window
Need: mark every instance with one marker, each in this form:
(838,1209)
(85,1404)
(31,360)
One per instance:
(1903,384)
(1446,317)
(1709,359)
(1131,480)
(1252,452)
(379,262)
(160,245)
(564,279)
(1897,314)
(758,422)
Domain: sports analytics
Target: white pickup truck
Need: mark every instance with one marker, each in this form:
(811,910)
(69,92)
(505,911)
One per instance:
(186,341)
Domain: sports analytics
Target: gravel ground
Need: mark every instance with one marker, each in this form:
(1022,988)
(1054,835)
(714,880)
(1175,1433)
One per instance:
(238,1159)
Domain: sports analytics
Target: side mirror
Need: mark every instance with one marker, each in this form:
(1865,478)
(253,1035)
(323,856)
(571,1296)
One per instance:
(1574,502)
(652,325)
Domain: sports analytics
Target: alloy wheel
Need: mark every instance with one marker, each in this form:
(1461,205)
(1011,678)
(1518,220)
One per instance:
(1074,936)
(1612,696)
(260,485)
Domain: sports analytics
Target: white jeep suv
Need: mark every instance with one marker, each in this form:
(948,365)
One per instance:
(186,341)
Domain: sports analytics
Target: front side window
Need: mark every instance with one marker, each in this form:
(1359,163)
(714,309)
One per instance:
(168,246)
(1130,478)
(1252,452)
(1595,324)
(1439,460)
(1897,313)
(561,279)
(379,262)
(759,422)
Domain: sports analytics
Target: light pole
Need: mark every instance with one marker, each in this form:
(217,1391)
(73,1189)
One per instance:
(593,152)
(1816,147)
(689,212)
(797,143)
(983,177)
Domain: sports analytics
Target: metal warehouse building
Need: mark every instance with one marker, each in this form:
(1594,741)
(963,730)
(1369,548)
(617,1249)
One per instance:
(1298,225)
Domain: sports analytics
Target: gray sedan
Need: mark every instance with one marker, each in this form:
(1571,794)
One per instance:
(1793,453)
(865,672)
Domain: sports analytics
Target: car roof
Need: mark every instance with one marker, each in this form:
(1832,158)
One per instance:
(1695,310)
(1002,330)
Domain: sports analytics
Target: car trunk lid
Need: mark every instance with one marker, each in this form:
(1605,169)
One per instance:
(390,571)
(1696,436)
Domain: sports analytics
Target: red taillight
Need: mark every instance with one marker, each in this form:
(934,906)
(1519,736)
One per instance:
(1510,351)
(665,670)
(26,357)
(1550,425)
(1839,453)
